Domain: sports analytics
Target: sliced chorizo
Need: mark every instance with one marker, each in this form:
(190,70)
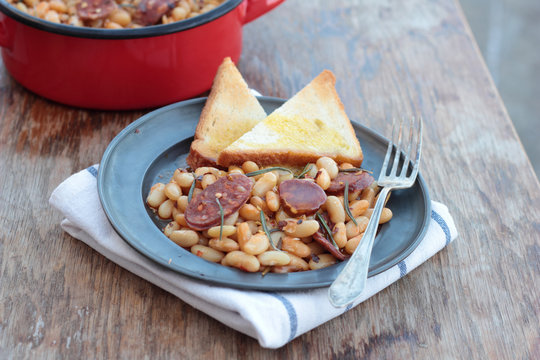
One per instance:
(150,11)
(357,181)
(301,197)
(95,9)
(232,190)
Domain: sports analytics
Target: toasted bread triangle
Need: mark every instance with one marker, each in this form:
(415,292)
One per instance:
(230,111)
(311,124)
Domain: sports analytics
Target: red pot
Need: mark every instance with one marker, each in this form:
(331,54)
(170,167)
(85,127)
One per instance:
(127,68)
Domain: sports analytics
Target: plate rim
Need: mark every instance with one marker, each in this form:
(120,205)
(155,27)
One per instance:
(198,275)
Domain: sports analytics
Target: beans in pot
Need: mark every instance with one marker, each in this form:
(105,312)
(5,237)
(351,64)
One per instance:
(115,14)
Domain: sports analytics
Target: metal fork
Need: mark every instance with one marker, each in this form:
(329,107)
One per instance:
(351,281)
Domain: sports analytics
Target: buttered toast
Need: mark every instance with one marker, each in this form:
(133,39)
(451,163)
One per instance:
(311,124)
(230,111)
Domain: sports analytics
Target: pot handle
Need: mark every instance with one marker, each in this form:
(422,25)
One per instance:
(256,8)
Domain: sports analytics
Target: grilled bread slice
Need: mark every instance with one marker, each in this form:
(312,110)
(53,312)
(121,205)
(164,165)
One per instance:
(230,111)
(311,124)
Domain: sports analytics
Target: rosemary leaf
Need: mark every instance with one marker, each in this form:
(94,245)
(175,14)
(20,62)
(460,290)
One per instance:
(306,169)
(192,188)
(327,229)
(266,231)
(222,216)
(346,203)
(262,171)
(355,170)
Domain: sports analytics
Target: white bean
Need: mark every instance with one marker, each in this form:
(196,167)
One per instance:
(328,164)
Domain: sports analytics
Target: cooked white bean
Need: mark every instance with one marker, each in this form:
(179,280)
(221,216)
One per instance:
(249,166)
(323,179)
(173,225)
(183,179)
(274,257)
(257,244)
(352,230)
(243,233)
(231,219)
(207,253)
(173,191)
(340,234)
(322,261)
(228,230)
(165,209)
(207,170)
(225,244)
(182,203)
(156,196)
(345,166)
(181,219)
(312,172)
(295,264)
(260,204)
(352,244)
(295,246)
(272,201)
(241,260)
(300,229)
(249,212)
(335,209)
(208,179)
(184,238)
(328,164)
(264,184)
(233,169)
(386,215)
(358,207)
(368,194)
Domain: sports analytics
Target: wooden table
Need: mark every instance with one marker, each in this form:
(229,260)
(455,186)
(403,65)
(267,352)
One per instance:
(478,298)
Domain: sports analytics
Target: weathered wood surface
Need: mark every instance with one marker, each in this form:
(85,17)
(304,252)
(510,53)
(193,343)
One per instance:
(476,299)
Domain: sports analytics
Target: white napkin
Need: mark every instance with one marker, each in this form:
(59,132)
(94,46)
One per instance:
(273,318)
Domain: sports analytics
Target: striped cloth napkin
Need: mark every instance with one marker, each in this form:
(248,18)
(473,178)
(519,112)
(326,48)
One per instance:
(273,318)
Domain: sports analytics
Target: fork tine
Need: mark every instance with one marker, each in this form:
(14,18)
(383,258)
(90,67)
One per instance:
(398,148)
(384,167)
(418,149)
(408,153)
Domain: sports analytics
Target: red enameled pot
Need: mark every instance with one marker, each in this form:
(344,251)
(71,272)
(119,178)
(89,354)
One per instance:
(127,68)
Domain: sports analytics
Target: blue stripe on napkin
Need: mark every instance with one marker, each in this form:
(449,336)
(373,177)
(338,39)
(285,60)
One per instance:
(293,319)
(439,220)
(92,170)
(402,268)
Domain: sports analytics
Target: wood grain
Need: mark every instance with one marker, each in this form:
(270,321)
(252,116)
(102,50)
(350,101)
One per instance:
(476,299)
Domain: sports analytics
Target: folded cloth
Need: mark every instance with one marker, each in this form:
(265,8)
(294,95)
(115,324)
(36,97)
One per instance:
(273,318)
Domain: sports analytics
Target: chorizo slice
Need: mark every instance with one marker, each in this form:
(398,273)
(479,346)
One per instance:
(232,190)
(149,12)
(95,9)
(301,197)
(357,181)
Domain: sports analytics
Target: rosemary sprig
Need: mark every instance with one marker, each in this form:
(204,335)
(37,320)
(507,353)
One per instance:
(192,188)
(262,171)
(266,231)
(355,170)
(306,169)
(327,229)
(222,217)
(346,203)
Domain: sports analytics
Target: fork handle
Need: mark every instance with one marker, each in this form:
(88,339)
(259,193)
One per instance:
(351,281)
